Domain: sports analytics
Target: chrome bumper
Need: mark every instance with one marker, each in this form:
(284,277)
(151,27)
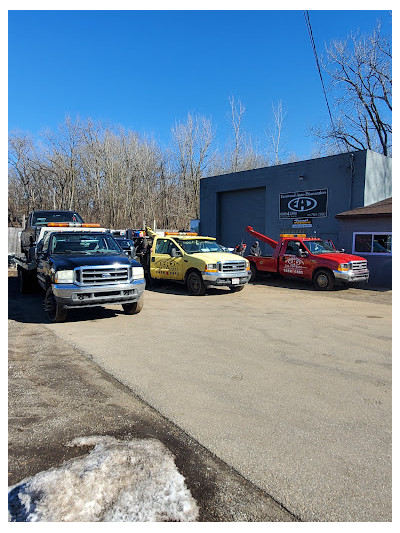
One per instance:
(351,276)
(225,278)
(70,295)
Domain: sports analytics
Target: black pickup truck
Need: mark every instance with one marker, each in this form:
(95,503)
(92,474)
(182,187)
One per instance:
(36,220)
(82,267)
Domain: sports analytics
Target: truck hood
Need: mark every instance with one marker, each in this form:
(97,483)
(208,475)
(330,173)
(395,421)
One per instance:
(70,261)
(214,257)
(340,257)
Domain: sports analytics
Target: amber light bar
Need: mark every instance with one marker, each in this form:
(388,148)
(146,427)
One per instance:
(180,233)
(71,225)
(58,225)
(299,235)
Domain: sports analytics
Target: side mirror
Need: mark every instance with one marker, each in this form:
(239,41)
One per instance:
(175,253)
(303,253)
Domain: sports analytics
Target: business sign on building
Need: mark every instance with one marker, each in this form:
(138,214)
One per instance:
(302,223)
(311,204)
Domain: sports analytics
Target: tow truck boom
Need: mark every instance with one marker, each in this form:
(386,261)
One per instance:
(261,237)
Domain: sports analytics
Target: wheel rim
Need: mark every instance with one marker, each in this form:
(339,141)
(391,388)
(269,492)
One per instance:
(322,280)
(194,283)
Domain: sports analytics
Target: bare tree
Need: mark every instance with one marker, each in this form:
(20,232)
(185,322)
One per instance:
(116,177)
(20,152)
(275,133)
(360,69)
(59,162)
(237,110)
(193,154)
(241,152)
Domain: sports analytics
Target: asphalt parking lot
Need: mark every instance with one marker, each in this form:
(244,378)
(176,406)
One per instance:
(287,388)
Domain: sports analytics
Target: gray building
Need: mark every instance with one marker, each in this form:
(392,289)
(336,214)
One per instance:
(300,197)
(367,231)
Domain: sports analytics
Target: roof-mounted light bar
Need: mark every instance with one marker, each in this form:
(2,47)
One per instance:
(298,235)
(190,234)
(71,225)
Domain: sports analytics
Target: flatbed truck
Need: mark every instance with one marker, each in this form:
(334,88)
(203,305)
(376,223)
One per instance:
(80,265)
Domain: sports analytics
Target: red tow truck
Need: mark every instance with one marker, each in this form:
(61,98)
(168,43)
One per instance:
(309,258)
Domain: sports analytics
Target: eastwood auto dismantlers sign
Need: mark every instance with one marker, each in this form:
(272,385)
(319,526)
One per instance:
(310,204)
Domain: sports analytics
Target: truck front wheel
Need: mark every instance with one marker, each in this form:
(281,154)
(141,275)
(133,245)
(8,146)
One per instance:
(253,272)
(195,284)
(324,280)
(133,308)
(55,312)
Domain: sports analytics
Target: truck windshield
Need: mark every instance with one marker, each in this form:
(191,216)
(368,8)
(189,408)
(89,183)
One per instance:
(125,243)
(41,218)
(197,246)
(319,247)
(83,243)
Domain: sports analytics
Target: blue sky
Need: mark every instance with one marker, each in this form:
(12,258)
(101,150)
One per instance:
(147,69)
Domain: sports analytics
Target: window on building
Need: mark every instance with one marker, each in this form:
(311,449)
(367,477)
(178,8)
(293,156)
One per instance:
(372,243)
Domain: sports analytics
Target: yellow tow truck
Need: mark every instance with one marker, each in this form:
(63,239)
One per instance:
(198,262)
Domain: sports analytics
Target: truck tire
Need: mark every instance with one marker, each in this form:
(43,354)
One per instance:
(237,289)
(55,312)
(195,284)
(324,280)
(253,272)
(24,281)
(133,308)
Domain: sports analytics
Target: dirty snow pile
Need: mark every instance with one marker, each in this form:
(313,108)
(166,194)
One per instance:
(118,481)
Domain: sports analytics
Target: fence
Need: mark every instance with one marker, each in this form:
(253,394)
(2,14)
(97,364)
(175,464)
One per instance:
(14,240)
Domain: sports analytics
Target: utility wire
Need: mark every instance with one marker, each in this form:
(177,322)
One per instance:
(310,33)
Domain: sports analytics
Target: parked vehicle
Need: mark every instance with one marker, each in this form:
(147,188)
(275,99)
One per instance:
(308,258)
(127,245)
(37,219)
(81,265)
(198,262)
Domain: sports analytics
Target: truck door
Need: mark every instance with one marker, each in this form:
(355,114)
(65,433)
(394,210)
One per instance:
(291,263)
(42,261)
(159,260)
(162,264)
(176,261)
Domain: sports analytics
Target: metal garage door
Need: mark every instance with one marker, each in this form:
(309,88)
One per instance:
(238,209)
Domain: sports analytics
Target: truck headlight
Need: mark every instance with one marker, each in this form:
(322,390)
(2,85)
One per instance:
(212,267)
(137,273)
(64,276)
(247,265)
(344,267)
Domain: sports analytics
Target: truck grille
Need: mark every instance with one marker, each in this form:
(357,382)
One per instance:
(359,265)
(232,266)
(102,276)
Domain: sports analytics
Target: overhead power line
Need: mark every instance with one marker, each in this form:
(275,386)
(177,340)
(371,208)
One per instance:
(310,33)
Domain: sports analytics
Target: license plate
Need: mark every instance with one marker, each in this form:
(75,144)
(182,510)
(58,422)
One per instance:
(235,281)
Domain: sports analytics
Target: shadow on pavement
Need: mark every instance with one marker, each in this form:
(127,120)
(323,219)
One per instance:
(28,308)
(307,285)
(179,289)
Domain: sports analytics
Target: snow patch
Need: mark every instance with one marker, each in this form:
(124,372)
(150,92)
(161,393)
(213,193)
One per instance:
(118,481)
